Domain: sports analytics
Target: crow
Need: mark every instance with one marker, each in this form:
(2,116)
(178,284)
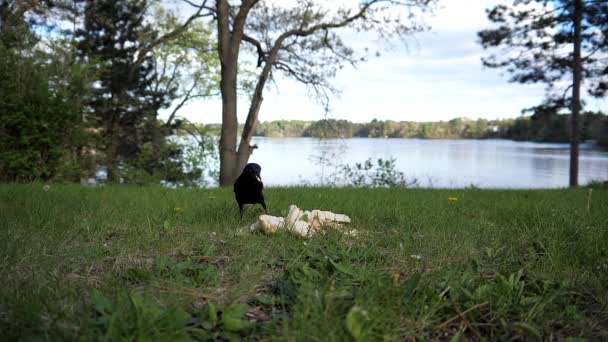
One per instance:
(248,188)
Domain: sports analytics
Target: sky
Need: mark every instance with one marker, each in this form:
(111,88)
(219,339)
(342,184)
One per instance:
(436,75)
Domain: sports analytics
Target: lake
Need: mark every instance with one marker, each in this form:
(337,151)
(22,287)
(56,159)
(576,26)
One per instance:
(434,163)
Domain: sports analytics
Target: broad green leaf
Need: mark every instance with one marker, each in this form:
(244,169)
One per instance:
(342,268)
(266,300)
(101,302)
(235,311)
(235,324)
(212,313)
(355,319)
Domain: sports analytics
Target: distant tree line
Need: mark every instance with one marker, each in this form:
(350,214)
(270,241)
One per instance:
(556,128)
(540,127)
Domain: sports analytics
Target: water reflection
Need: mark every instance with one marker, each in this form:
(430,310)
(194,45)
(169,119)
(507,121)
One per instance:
(435,163)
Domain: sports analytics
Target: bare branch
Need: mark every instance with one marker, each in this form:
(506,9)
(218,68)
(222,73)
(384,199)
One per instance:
(286,68)
(306,32)
(203,5)
(196,135)
(239,25)
(258,46)
(185,99)
(168,36)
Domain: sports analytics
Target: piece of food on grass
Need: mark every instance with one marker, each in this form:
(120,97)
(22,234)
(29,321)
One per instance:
(271,224)
(301,228)
(292,216)
(302,223)
(328,216)
(325,217)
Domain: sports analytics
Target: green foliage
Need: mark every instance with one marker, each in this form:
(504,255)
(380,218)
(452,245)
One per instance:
(548,126)
(140,74)
(187,66)
(166,263)
(223,323)
(124,102)
(282,128)
(544,125)
(329,129)
(324,282)
(185,272)
(355,321)
(176,163)
(73,100)
(382,174)
(533,42)
(42,134)
(133,317)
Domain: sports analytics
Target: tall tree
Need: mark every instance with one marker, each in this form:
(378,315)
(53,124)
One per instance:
(112,38)
(186,65)
(556,42)
(301,40)
(119,39)
(41,89)
(186,68)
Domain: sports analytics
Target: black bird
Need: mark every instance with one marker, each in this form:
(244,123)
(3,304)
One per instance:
(248,188)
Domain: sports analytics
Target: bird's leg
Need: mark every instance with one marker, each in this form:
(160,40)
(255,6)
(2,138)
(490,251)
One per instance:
(241,211)
(264,206)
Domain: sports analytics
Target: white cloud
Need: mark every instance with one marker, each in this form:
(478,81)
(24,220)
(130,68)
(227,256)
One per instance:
(459,15)
(439,76)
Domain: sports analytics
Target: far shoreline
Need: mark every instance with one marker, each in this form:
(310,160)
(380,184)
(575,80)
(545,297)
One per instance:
(593,144)
(549,129)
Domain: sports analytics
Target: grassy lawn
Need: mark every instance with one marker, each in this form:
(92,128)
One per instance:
(115,263)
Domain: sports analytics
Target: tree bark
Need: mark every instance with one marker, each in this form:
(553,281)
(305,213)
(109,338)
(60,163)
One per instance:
(232,160)
(245,149)
(229,127)
(229,42)
(576,94)
(111,138)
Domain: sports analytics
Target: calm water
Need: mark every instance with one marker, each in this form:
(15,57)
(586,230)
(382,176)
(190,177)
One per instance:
(435,163)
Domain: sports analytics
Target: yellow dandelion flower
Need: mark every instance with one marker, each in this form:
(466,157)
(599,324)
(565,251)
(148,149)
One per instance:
(395,276)
(453,199)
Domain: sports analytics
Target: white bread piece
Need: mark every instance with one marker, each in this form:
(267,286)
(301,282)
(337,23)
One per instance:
(293,215)
(302,223)
(328,216)
(271,224)
(301,228)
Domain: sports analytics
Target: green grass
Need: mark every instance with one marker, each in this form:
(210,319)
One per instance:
(116,263)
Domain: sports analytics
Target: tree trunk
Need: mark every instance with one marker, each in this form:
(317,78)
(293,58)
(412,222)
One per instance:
(576,94)
(229,43)
(228,160)
(111,137)
(245,149)
(230,37)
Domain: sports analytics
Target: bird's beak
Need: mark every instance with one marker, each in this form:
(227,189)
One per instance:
(258,178)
